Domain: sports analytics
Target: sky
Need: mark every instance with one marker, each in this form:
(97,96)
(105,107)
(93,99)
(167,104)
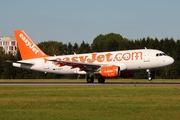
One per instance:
(83,20)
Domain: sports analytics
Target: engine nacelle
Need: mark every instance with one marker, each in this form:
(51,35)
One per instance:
(110,71)
(127,74)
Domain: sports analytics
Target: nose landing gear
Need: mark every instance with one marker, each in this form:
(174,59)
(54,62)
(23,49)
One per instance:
(149,74)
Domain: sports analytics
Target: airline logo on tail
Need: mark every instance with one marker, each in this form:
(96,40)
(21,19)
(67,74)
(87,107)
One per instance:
(31,45)
(28,49)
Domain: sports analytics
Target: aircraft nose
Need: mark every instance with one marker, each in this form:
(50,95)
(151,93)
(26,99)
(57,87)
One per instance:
(170,60)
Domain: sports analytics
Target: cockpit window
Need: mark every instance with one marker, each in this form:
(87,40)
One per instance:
(160,54)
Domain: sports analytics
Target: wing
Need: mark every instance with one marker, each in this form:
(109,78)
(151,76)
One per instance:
(82,66)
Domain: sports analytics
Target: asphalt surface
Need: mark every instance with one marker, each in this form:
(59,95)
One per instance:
(83,84)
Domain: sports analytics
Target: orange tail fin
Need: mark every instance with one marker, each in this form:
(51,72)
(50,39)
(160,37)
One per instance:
(28,49)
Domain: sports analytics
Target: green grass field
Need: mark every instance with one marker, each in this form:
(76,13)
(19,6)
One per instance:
(89,103)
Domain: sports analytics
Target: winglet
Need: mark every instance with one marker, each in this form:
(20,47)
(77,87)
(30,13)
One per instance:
(28,49)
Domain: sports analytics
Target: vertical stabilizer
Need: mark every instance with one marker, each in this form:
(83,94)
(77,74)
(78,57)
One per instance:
(28,49)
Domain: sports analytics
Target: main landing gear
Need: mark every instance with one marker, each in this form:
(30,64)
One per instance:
(90,79)
(101,79)
(149,74)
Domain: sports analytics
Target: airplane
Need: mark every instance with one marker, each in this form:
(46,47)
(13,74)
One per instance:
(108,64)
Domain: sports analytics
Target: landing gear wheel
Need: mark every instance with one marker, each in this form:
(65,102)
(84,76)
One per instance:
(90,79)
(101,80)
(149,78)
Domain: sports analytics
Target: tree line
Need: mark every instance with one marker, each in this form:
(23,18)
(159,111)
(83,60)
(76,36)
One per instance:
(102,43)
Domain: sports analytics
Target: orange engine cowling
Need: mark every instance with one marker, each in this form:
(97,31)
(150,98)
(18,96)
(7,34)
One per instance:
(110,71)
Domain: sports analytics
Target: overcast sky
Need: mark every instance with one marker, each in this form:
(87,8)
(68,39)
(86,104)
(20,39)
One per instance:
(78,20)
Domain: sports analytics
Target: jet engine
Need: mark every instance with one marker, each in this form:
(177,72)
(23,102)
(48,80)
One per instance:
(110,71)
(114,71)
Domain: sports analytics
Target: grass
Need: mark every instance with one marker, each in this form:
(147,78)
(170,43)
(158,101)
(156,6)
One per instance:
(89,103)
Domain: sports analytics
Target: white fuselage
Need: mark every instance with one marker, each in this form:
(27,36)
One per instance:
(127,60)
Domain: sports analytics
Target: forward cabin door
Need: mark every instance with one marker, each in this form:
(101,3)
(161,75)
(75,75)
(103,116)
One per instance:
(46,65)
(146,56)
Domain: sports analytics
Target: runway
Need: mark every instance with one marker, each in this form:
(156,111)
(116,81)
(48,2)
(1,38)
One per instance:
(84,84)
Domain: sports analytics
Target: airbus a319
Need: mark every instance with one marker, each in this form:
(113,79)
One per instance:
(108,64)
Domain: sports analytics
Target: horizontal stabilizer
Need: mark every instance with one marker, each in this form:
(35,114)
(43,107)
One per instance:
(25,63)
(9,61)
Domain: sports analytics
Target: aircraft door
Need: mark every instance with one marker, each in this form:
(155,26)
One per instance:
(146,56)
(46,65)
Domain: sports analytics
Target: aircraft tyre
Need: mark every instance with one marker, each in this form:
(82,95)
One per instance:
(149,78)
(101,80)
(90,79)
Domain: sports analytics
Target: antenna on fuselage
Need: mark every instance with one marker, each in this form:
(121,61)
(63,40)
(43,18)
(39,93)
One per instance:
(74,52)
(145,48)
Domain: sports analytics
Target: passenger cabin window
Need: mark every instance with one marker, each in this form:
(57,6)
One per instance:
(160,54)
